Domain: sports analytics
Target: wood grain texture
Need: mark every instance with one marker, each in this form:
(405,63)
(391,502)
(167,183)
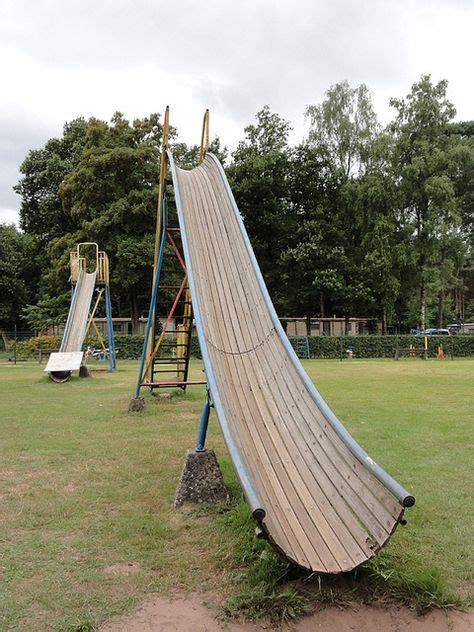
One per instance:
(324,509)
(73,336)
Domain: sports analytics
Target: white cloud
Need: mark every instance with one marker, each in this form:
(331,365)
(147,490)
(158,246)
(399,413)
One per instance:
(8,216)
(92,57)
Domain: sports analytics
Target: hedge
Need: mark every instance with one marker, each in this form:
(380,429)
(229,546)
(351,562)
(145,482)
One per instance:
(130,347)
(385,346)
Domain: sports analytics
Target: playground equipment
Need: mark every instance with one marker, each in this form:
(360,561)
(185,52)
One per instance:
(87,273)
(171,369)
(314,492)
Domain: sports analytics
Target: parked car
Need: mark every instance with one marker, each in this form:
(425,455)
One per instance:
(432,331)
(461,328)
(436,331)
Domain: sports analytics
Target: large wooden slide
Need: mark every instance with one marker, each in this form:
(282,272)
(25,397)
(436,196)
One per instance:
(319,498)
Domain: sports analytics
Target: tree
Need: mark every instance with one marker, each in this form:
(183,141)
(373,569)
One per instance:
(329,250)
(464,187)
(343,128)
(47,312)
(98,182)
(188,156)
(258,177)
(309,258)
(111,196)
(41,211)
(425,163)
(18,274)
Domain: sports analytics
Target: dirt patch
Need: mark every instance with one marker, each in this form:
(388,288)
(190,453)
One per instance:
(392,619)
(195,614)
(191,614)
(125,568)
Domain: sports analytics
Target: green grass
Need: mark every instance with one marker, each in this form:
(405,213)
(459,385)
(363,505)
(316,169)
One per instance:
(87,527)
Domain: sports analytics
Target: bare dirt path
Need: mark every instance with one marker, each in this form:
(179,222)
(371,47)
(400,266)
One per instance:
(193,614)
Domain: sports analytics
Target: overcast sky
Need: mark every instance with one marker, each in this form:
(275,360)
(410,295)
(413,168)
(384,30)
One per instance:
(66,58)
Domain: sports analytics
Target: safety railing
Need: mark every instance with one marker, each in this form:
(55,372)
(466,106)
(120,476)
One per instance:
(98,262)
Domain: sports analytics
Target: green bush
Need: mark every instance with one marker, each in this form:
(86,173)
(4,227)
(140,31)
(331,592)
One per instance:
(385,346)
(195,348)
(27,348)
(129,347)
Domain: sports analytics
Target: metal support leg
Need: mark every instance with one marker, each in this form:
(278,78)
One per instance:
(151,311)
(201,438)
(110,330)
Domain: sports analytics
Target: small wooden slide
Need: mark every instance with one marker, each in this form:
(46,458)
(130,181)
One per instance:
(69,357)
(319,498)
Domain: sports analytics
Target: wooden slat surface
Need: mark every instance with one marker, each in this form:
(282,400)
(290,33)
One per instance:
(74,334)
(324,509)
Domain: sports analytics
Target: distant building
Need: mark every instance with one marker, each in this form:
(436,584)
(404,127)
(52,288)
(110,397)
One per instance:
(122,326)
(332,326)
(293,326)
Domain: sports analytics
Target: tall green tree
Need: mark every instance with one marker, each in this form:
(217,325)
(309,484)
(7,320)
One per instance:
(258,176)
(330,241)
(464,186)
(111,196)
(41,211)
(343,128)
(425,161)
(312,253)
(18,273)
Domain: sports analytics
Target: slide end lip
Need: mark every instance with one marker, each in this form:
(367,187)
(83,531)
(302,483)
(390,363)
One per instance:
(259,514)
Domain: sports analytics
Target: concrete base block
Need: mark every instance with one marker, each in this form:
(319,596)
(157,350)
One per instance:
(136,404)
(201,480)
(84,371)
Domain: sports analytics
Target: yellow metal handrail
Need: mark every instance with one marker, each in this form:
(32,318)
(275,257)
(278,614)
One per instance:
(204,136)
(78,262)
(161,192)
(103,268)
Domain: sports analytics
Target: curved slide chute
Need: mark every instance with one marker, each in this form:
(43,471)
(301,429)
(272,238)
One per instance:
(69,357)
(319,498)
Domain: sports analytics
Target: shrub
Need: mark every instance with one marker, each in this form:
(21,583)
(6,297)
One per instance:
(27,348)
(129,347)
(385,346)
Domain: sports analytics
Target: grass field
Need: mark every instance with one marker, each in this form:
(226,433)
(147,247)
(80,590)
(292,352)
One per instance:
(86,521)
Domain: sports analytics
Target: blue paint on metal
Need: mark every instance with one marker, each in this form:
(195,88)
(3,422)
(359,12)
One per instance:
(402,495)
(242,473)
(203,424)
(154,295)
(110,329)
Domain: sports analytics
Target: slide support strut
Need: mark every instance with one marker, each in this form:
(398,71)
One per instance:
(110,329)
(203,424)
(151,311)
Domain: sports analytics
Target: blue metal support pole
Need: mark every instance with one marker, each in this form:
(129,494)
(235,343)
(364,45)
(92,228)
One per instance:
(201,438)
(154,294)
(110,329)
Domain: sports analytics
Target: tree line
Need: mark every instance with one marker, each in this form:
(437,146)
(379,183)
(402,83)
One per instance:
(356,220)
